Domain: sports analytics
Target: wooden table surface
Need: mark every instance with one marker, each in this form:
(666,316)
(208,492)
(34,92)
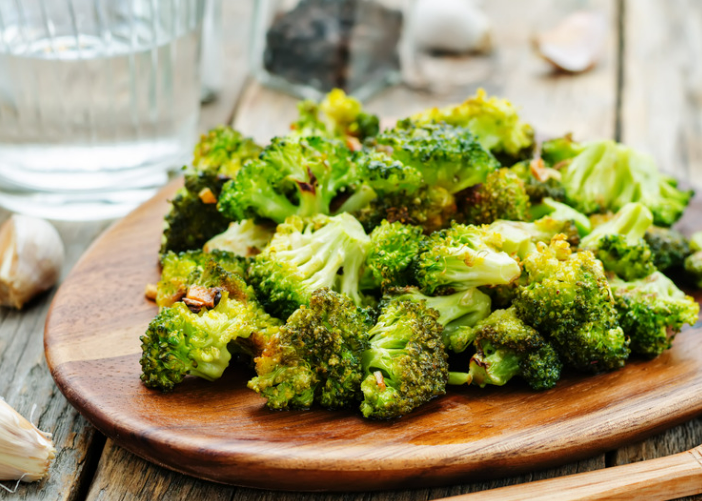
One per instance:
(646,92)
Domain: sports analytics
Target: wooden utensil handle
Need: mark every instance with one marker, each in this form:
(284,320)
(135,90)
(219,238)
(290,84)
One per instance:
(669,477)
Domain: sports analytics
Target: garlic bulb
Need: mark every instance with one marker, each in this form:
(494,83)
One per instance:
(31,257)
(25,452)
(451,25)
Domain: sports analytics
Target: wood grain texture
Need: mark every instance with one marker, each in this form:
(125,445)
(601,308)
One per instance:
(26,384)
(655,480)
(221,431)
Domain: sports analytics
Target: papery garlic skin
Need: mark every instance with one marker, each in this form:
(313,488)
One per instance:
(25,452)
(31,258)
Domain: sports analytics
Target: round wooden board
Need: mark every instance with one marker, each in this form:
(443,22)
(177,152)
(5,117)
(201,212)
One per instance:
(222,431)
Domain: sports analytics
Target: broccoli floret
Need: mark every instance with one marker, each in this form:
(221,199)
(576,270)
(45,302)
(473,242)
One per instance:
(179,341)
(462,257)
(393,248)
(619,243)
(457,312)
(405,364)
(379,176)
(243,238)
(506,347)
(193,217)
(606,176)
(557,151)
(448,157)
(179,271)
(432,208)
(651,311)
(669,247)
(293,176)
(568,300)
(539,181)
(338,116)
(519,238)
(501,196)
(315,356)
(562,212)
(303,257)
(493,120)
(693,262)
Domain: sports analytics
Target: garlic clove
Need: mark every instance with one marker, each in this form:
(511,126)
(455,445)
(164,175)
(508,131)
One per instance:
(457,26)
(574,45)
(31,258)
(25,452)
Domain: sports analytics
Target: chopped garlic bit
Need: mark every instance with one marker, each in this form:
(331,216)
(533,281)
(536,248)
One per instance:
(25,452)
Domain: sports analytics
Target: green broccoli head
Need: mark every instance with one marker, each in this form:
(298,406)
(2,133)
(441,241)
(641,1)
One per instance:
(315,356)
(567,299)
(620,245)
(457,312)
(501,196)
(519,238)
(431,207)
(562,212)
(494,121)
(405,364)
(448,157)
(539,181)
(338,116)
(180,271)
(606,176)
(506,347)
(242,238)
(305,256)
(393,248)
(463,257)
(651,311)
(669,247)
(180,342)
(556,152)
(193,217)
(293,176)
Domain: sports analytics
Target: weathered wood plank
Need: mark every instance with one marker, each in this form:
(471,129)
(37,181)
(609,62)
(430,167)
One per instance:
(25,382)
(661,112)
(662,87)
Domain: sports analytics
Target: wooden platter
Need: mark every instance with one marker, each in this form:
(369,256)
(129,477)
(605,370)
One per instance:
(222,431)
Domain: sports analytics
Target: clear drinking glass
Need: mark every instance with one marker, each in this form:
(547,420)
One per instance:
(98,99)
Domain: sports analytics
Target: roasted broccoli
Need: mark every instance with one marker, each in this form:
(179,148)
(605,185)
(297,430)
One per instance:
(294,176)
(506,347)
(193,218)
(562,212)
(669,247)
(393,248)
(605,175)
(519,238)
(405,364)
(179,341)
(568,300)
(448,157)
(432,208)
(338,116)
(651,311)
(179,271)
(493,120)
(458,312)
(462,257)
(243,238)
(315,356)
(693,262)
(619,243)
(539,181)
(501,196)
(558,151)
(306,256)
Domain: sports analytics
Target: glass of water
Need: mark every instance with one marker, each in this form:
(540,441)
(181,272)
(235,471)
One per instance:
(98,100)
